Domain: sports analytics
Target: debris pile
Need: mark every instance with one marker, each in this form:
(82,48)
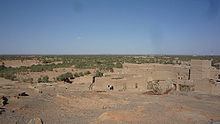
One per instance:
(154,88)
(35,121)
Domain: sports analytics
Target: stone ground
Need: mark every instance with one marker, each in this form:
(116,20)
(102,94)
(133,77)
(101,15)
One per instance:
(59,103)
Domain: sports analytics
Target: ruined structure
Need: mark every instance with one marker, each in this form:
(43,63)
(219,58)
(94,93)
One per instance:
(205,77)
(200,76)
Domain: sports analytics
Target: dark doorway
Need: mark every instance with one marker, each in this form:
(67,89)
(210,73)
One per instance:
(189,75)
(174,85)
(93,79)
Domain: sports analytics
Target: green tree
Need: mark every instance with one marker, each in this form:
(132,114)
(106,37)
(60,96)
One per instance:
(64,76)
(98,74)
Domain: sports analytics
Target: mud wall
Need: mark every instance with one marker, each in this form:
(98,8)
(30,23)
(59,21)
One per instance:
(200,69)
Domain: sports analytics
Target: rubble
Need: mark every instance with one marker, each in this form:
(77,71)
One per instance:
(35,121)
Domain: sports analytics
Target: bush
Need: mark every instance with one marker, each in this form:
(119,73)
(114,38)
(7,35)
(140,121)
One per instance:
(76,75)
(87,73)
(69,75)
(48,61)
(44,79)
(39,80)
(2,67)
(7,72)
(29,80)
(81,74)
(98,74)
(10,76)
(186,88)
(111,70)
(118,65)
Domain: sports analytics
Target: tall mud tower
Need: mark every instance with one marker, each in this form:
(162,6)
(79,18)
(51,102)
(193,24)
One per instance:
(200,69)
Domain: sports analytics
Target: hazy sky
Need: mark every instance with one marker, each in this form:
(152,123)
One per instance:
(110,27)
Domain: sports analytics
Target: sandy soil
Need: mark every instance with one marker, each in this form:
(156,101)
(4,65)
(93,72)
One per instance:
(18,63)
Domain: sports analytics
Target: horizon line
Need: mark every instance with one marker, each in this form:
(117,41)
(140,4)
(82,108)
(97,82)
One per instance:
(107,55)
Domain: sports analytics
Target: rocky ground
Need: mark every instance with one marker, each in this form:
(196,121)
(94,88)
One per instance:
(61,103)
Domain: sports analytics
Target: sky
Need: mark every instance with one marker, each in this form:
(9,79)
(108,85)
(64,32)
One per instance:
(185,27)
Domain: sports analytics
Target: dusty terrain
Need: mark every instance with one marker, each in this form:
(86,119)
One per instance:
(56,103)
(19,63)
